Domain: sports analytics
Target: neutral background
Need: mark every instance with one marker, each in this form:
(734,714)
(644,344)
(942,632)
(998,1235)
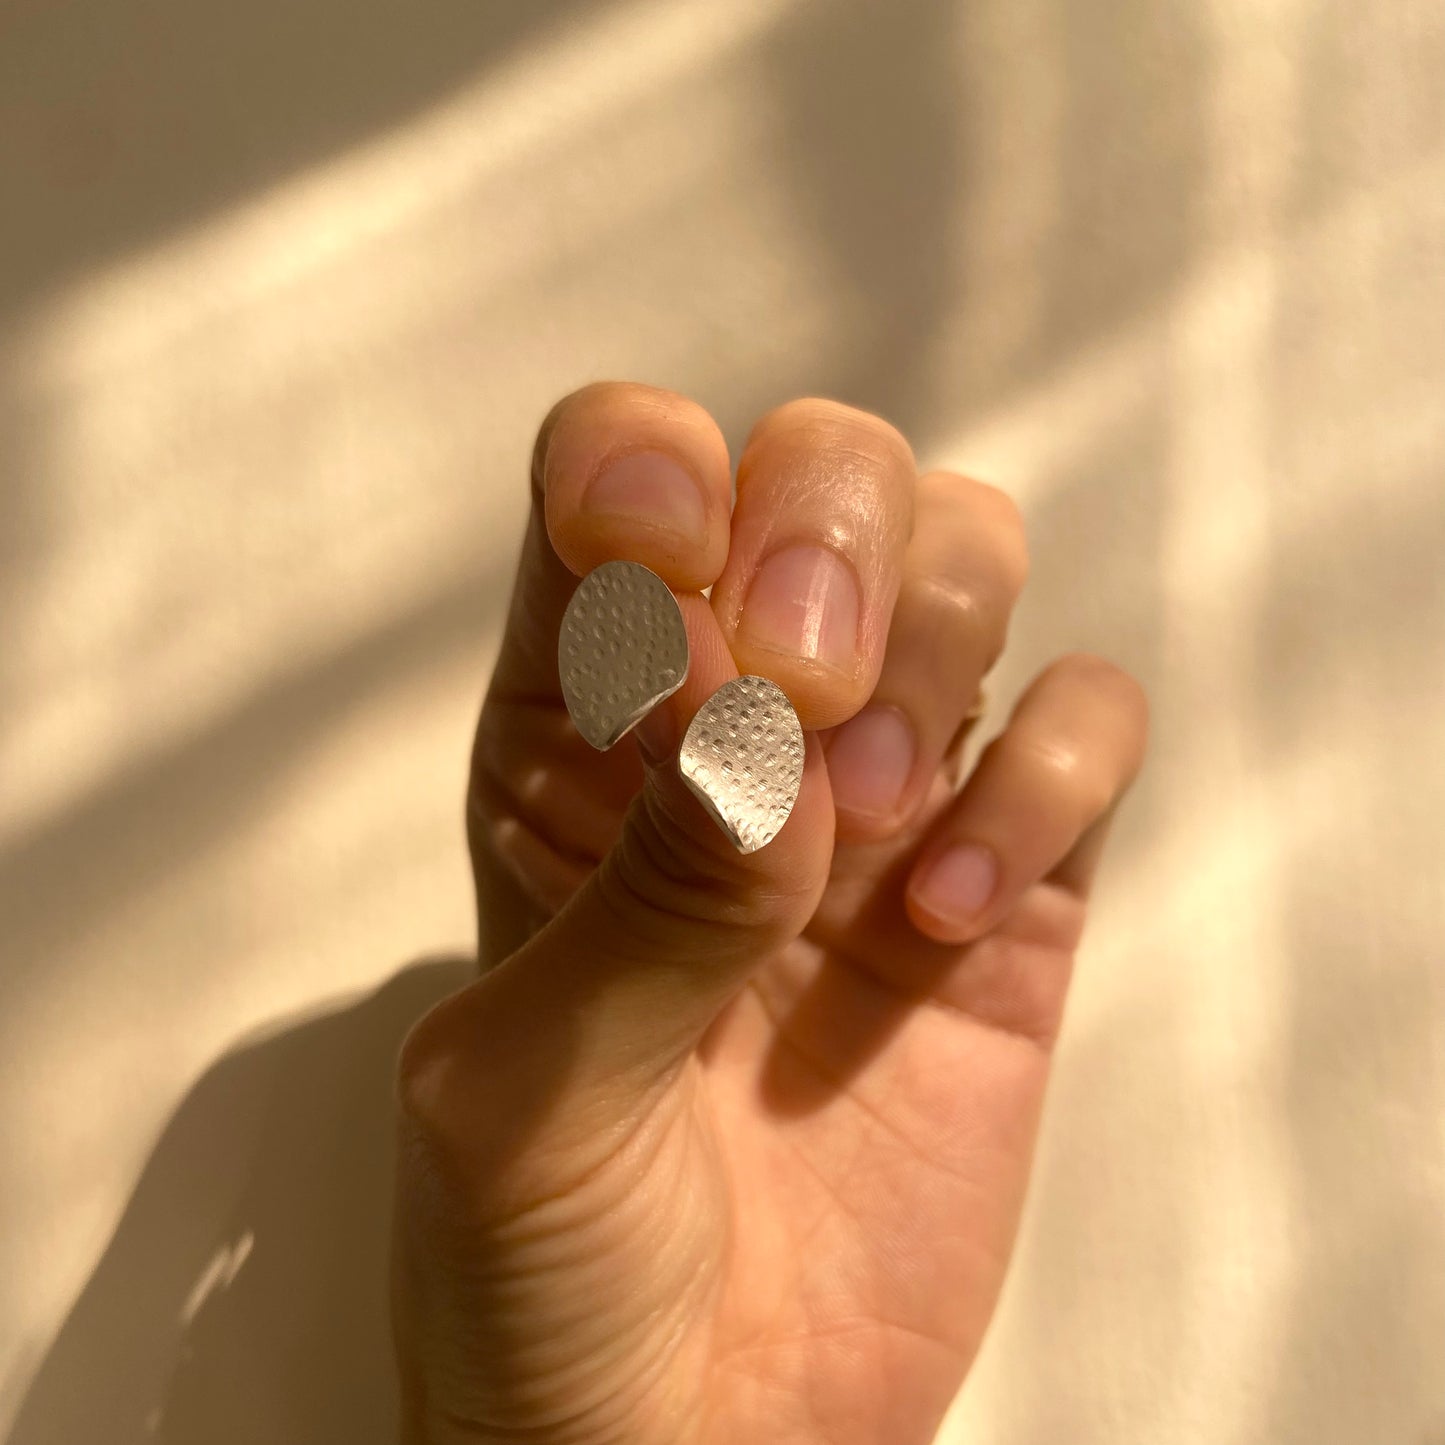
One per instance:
(285,288)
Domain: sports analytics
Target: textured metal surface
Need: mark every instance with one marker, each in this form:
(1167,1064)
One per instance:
(622,649)
(743,757)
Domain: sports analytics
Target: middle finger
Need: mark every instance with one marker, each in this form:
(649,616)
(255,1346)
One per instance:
(823,515)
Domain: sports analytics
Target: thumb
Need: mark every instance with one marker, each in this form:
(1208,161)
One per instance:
(585,1023)
(667,929)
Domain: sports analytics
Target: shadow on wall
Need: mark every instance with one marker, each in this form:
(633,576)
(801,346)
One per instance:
(137,119)
(243,1297)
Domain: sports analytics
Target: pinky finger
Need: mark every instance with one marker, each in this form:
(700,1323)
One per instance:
(1038,803)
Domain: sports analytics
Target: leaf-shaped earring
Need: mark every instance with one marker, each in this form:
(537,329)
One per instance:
(621,651)
(742,755)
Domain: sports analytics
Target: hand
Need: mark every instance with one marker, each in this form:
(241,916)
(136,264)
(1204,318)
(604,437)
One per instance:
(732,1148)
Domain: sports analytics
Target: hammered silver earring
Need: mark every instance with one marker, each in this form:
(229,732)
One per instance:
(742,755)
(623,649)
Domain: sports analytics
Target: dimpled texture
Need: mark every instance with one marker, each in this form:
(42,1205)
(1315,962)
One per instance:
(743,757)
(622,650)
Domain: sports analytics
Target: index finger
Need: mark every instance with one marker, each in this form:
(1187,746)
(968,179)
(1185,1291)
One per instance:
(620,472)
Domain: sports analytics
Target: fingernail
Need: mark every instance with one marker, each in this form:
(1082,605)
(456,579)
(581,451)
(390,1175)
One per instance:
(649,487)
(870,760)
(959,884)
(804,601)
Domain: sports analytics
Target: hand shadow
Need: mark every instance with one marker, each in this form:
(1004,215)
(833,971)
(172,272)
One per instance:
(243,1297)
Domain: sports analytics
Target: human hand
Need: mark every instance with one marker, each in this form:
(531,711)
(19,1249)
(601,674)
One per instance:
(728,1148)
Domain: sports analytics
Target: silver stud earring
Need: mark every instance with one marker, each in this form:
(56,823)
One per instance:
(742,755)
(622,650)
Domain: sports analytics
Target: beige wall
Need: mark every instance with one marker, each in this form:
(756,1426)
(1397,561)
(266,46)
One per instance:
(284,289)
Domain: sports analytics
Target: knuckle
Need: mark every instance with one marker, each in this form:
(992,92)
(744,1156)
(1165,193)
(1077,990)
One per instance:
(455,1088)
(1055,760)
(1084,734)
(990,512)
(673,880)
(665,875)
(1062,769)
(422,1082)
(966,620)
(960,596)
(1029,991)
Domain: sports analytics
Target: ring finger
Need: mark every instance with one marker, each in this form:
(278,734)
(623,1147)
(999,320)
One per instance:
(962,574)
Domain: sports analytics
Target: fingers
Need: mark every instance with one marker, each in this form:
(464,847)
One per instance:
(1037,803)
(620,471)
(823,514)
(962,574)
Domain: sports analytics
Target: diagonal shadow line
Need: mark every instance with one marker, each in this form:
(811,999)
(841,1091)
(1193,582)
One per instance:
(68,874)
(123,123)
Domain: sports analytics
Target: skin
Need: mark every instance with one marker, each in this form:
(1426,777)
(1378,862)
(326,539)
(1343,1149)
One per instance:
(725,1148)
